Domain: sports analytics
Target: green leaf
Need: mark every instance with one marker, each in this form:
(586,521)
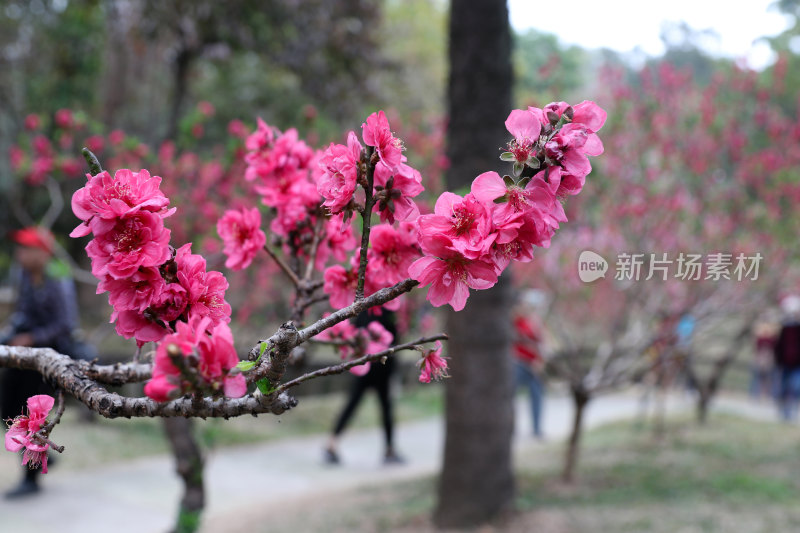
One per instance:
(57,268)
(518,168)
(509,181)
(533,162)
(507,156)
(244,366)
(262,349)
(265,386)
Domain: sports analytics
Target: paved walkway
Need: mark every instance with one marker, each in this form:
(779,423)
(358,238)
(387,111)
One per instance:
(141,496)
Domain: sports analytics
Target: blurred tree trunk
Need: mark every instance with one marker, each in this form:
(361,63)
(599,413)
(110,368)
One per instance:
(180,73)
(477,481)
(580,399)
(189,465)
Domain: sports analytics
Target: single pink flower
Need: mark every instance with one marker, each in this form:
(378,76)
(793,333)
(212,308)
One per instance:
(525,128)
(64,118)
(378,338)
(137,240)
(135,292)
(377,132)
(449,273)
(20,434)
(132,324)
(105,199)
(32,122)
(466,221)
(433,366)
(390,254)
(241,233)
(394,191)
(170,303)
(337,183)
(16,156)
(262,138)
(205,290)
(340,285)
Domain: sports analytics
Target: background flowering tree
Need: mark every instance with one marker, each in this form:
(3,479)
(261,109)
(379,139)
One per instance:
(691,213)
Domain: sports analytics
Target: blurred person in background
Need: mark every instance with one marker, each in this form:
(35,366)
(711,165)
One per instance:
(528,359)
(378,377)
(762,382)
(45,315)
(787,358)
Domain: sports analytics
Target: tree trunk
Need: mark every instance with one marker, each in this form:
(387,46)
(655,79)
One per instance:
(189,465)
(703,402)
(579,401)
(181,78)
(477,483)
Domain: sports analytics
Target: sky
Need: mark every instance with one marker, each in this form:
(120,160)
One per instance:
(625,25)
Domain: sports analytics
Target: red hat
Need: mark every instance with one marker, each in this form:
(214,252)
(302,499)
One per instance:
(34,237)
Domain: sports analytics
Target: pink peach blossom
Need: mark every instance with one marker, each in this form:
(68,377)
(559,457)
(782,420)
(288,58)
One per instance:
(20,434)
(376,132)
(449,273)
(337,183)
(433,366)
(241,233)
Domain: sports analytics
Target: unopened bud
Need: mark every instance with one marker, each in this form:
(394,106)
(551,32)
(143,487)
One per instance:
(553,117)
(569,113)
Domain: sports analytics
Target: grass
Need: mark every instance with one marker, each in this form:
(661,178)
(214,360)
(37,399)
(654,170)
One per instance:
(734,475)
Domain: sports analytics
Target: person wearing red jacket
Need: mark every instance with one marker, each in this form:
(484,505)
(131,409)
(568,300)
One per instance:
(529,365)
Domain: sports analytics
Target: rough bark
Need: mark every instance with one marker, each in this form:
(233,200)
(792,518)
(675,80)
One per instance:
(189,466)
(477,483)
(580,399)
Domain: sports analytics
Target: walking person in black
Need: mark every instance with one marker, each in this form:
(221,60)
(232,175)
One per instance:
(787,358)
(378,377)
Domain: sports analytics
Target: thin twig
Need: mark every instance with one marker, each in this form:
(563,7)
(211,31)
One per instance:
(312,257)
(281,263)
(343,367)
(366,218)
(60,411)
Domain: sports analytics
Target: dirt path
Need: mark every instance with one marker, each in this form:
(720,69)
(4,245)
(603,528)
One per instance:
(248,483)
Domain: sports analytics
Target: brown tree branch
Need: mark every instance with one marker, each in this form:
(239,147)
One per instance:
(366,218)
(65,373)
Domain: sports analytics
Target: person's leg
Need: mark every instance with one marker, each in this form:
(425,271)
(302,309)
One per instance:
(356,392)
(537,398)
(794,393)
(783,394)
(382,388)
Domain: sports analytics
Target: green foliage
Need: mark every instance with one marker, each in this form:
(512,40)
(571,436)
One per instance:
(546,70)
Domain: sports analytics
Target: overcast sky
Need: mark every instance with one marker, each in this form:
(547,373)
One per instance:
(624,25)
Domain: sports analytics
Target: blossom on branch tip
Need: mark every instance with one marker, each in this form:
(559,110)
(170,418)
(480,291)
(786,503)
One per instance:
(433,366)
(22,430)
(376,132)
